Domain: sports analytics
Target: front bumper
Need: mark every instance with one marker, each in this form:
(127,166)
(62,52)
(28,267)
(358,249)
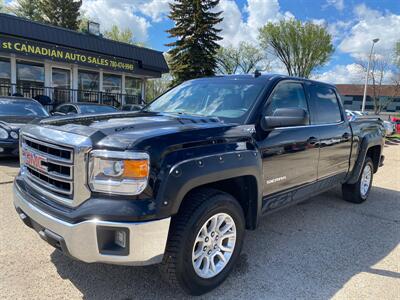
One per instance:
(146,240)
(9,148)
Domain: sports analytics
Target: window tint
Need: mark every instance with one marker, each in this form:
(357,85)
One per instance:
(325,106)
(287,95)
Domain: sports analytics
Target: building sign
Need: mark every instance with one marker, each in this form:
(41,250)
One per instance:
(57,53)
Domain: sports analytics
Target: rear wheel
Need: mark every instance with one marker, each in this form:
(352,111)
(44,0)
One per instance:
(359,191)
(205,241)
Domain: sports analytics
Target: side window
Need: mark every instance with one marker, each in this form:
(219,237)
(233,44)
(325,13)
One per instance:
(71,110)
(287,95)
(63,109)
(324,105)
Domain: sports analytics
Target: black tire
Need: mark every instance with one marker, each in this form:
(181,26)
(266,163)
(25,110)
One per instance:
(352,192)
(177,268)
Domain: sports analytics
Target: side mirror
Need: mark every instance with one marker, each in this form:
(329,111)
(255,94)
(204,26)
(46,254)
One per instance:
(285,117)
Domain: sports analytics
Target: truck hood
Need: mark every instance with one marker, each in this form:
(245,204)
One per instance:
(128,130)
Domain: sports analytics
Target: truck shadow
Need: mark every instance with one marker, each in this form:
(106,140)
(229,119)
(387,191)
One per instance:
(310,250)
(12,162)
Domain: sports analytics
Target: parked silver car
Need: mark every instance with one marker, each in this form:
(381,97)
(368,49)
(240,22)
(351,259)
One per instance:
(390,128)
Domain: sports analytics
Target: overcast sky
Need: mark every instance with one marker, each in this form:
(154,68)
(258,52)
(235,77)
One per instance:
(353,24)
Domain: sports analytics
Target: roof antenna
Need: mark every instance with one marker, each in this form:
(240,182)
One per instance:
(257,73)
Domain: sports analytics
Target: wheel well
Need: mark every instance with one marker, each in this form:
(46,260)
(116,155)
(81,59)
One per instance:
(375,154)
(244,190)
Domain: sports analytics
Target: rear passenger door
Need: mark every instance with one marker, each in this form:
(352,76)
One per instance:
(334,132)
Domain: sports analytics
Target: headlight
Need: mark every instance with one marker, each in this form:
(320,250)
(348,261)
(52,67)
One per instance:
(115,172)
(3,134)
(14,135)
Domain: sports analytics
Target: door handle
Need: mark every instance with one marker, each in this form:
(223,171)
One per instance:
(346,135)
(312,140)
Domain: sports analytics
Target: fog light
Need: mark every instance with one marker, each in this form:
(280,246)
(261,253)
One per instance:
(113,240)
(120,238)
(1,149)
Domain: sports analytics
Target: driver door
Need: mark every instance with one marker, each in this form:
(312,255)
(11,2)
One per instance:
(289,154)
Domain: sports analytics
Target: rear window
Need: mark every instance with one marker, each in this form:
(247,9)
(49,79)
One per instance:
(21,108)
(92,109)
(324,105)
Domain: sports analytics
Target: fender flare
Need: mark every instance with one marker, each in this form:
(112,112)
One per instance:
(189,174)
(367,142)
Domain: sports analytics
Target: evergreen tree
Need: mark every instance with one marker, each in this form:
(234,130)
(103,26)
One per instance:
(27,9)
(63,13)
(194,51)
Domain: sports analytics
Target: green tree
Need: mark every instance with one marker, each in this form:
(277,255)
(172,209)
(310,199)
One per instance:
(397,53)
(63,13)
(155,87)
(301,47)
(2,7)
(27,9)
(125,36)
(83,22)
(227,60)
(194,50)
(243,59)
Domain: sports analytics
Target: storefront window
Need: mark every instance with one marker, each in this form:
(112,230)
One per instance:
(5,77)
(112,83)
(5,71)
(61,79)
(30,74)
(133,90)
(88,81)
(88,85)
(30,79)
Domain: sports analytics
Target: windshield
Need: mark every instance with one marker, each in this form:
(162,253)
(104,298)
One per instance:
(228,100)
(21,108)
(91,109)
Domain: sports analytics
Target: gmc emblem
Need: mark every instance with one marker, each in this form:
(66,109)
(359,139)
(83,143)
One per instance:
(34,160)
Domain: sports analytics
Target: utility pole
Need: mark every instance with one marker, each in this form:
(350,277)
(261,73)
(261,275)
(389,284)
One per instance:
(366,75)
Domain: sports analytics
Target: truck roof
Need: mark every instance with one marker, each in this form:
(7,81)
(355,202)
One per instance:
(266,77)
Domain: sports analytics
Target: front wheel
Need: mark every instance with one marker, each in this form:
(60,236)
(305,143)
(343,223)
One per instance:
(359,191)
(205,241)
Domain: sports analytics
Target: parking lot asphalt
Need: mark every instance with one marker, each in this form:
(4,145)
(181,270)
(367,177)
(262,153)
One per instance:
(322,248)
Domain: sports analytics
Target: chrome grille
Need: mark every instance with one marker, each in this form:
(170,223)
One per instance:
(48,167)
(56,152)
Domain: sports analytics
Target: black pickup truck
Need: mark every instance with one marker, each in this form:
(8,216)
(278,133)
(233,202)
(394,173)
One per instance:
(180,181)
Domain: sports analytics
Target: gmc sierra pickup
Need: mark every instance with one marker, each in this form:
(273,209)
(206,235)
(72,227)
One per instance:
(178,182)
